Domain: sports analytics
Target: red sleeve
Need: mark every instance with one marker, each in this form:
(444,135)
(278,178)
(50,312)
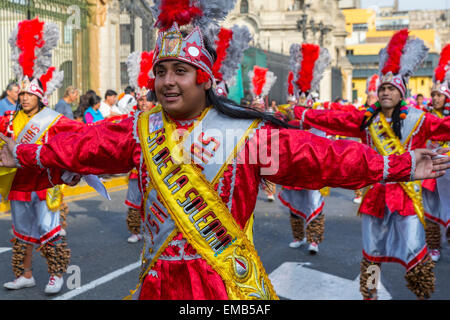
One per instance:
(98,149)
(437,129)
(301,159)
(335,122)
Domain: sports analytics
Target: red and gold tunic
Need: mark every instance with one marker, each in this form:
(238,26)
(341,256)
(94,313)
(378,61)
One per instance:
(302,160)
(63,124)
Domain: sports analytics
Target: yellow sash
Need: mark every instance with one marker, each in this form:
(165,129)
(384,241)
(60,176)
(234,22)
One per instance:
(387,143)
(213,232)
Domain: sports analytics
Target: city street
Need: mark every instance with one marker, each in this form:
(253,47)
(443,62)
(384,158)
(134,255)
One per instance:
(109,268)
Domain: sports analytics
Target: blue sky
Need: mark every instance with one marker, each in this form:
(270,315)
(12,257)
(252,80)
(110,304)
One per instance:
(410,4)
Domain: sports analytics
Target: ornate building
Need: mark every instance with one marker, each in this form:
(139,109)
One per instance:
(276,25)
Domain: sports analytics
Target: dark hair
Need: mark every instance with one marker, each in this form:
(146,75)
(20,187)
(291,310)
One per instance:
(8,88)
(84,100)
(396,120)
(94,100)
(109,93)
(77,113)
(129,89)
(419,95)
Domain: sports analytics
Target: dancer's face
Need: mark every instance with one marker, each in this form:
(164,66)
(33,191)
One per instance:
(29,102)
(438,100)
(177,89)
(389,96)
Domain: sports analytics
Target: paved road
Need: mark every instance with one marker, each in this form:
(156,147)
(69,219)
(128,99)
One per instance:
(108,264)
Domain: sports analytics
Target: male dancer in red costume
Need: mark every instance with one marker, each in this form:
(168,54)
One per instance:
(35,213)
(392,229)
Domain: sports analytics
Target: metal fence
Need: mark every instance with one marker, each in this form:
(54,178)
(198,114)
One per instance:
(72,52)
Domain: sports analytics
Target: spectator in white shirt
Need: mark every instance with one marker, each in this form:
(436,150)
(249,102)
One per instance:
(108,106)
(128,101)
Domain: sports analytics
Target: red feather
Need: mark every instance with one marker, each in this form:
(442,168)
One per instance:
(202,76)
(373,83)
(45,78)
(310,53)
(29,36)
(440,71)
(146,66)
(179,11)
(290,83)
(395,51)
(222,44)
(259,79)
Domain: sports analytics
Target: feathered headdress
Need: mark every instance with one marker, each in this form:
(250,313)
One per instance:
(261,81)
(230,46)
(308,62)
(400,59)
(372,84)
(31,44)
(140,74)
(290,88)
(200,15)
(441,77)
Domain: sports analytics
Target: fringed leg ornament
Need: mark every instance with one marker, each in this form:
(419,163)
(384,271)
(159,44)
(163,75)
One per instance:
(134,221)
(433,235)
(57,255)
(298,227)
(18,257)
(63,212)
(367,293)
(420,279)
(315,229)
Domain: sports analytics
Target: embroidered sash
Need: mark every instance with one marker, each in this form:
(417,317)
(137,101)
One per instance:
(387,143)
(183,198)
(32,132)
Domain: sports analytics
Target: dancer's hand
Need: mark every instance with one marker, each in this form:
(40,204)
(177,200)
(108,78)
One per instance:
(431,164)
(7,152)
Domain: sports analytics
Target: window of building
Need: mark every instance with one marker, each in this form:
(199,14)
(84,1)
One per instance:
(125,33)
(244,6)
(360,27)
(123,74)
(68,34)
